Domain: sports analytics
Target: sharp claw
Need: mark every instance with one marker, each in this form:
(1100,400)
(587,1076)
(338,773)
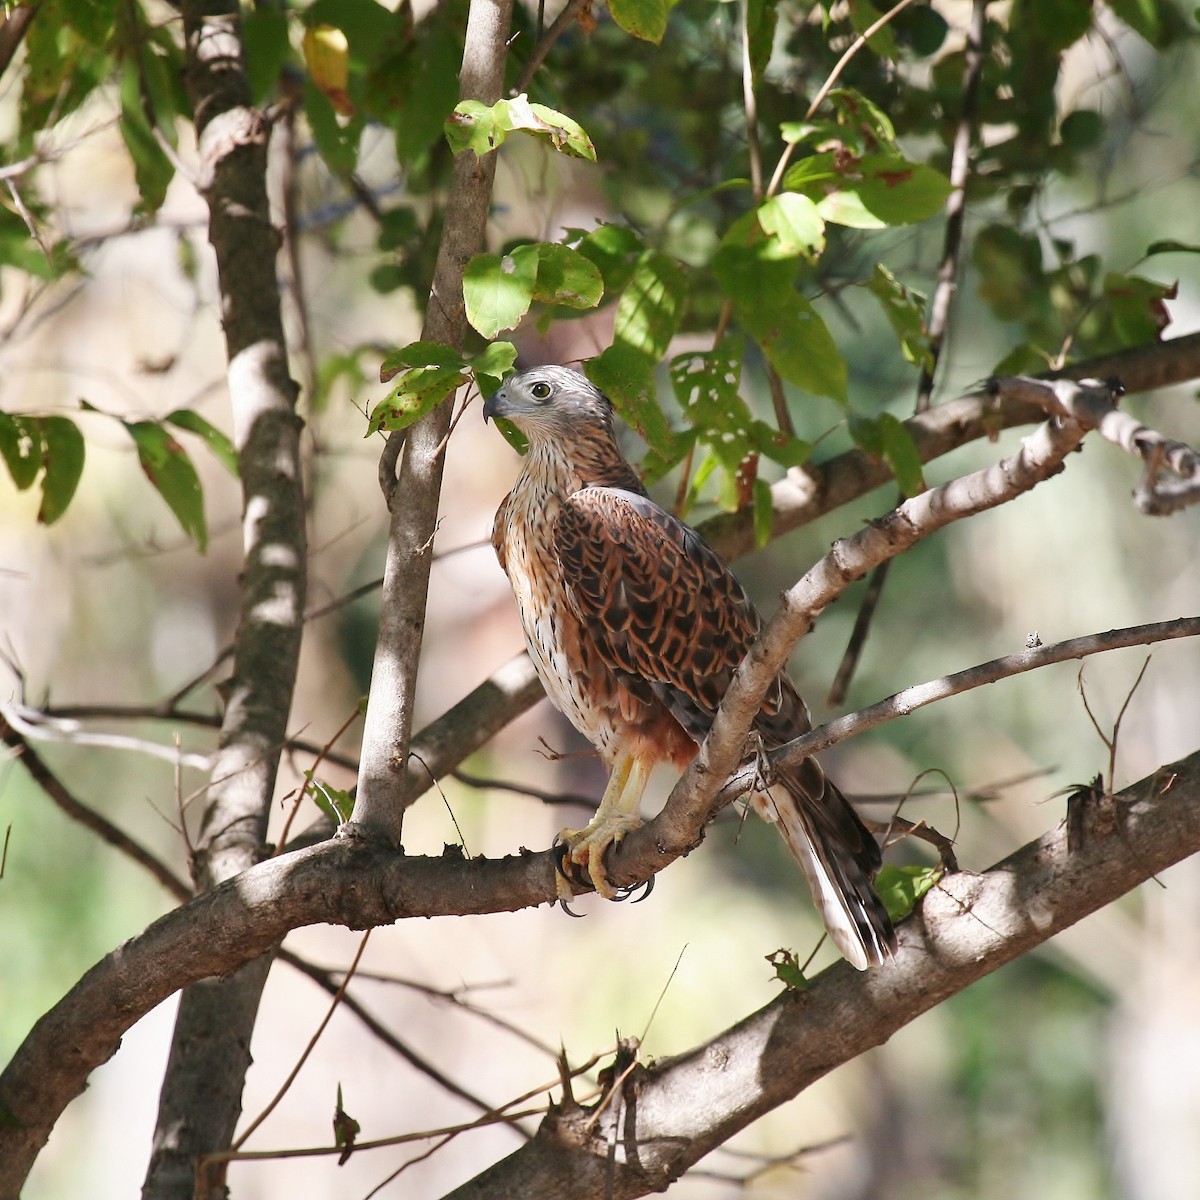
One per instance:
(645,887)
(566,907)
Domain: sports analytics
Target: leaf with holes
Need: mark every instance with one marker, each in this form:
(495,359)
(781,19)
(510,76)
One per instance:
(426,373)
(481,127)
(21,447)
(626,377)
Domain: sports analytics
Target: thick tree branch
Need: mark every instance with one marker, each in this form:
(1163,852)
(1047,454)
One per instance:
(201,1095)
(973,924)
(814,490)
(675,1112)
(383,787)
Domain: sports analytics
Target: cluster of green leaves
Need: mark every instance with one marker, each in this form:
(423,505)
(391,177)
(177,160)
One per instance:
(691,248)
(52,448)
(1069,303)
(855,177)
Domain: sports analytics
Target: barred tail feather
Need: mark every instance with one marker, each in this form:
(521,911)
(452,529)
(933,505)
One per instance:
(839,858)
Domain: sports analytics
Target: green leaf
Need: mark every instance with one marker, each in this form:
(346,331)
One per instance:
(901,887)
(1010,269)
(758,275)
(152,168)
(612,248)
(905,311)
(882,41)
(563,276)
(651,305)
(267,49)
(901,454)
(490,366)
(794,220)
(762,17)
(787,970)
(626,376)
(512,435)
(167,466)
(337,805)
(1138,307)
(410,82)
(21,447)
(217,442)
(645,19)
(63,453)
(426,373)
(481,127)
(366,24)
(1171,246)
(1141,16)
(885,189)
(336,143)
(1082,130)
(498,290)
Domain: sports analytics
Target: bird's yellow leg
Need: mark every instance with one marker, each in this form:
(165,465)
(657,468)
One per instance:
(616,816)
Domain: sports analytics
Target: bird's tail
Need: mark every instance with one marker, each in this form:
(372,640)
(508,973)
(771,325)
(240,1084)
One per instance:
(839,858)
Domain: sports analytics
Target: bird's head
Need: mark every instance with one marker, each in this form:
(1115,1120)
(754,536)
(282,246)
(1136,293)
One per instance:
(546,402)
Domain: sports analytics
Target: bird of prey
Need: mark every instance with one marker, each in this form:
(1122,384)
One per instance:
(636,627)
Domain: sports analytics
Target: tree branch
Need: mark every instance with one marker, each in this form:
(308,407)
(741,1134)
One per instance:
(201,1095)
(359,885)
(690,806)
(814,490)
(1153,496)
(681,1108)
(383,788)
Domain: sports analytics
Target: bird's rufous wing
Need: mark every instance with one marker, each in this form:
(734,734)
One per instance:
(665,612)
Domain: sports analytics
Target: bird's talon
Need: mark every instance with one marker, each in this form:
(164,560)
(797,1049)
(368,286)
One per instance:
(566,907)
(645,887)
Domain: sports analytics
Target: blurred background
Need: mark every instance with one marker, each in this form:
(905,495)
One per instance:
(1074,1072)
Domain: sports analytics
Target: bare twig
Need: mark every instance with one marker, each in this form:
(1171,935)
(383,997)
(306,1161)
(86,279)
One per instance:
(910,699)
(559,26)
(36,726)
(939,312)
(74,808)
(308,1049)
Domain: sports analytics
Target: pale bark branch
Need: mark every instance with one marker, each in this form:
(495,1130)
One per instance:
(675,1112)
(906,702)
(809,492)
(201,1093)
(1154,496)
(383,787)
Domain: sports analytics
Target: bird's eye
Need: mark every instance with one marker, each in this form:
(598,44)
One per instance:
(540,390)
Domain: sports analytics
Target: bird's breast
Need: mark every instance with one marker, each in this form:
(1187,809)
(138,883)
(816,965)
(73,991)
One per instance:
(576,682)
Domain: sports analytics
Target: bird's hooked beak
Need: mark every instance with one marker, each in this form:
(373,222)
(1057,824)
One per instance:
(493,406)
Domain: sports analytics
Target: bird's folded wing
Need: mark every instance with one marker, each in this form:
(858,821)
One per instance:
(664,610)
